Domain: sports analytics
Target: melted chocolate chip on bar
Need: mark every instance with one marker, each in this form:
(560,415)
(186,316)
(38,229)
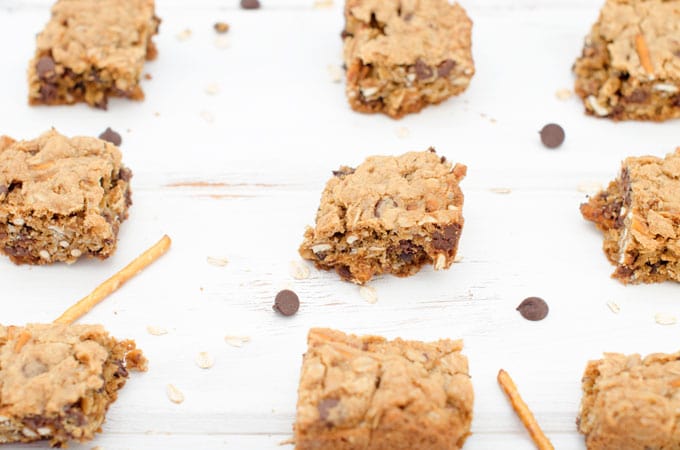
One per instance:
(445,68)
(533,308)
(45,68)
(111,136)
(286,302)
(423,71)
(448,239)
(325,407)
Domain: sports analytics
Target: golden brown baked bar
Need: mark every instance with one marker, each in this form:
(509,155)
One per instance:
(57,381)
(91,50)
(392,214)
(631,403)
(630,66)
(61,198)
(404,55)
(639,214)
(367,393)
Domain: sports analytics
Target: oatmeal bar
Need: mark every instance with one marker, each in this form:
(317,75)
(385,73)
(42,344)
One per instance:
(389,215)
(401,56)
(639,214)
(630,403)
(91,50)
(630,66)
(61,198)
(57,381)
(372,394)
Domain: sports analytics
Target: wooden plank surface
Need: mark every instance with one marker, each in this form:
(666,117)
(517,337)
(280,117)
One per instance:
(244,185)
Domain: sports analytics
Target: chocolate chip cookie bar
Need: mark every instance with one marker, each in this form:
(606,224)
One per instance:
(61,198)
(91,50)
(369,393)
(389,215)
(401,56)
(631,403)
(630,66)
(57,381)
(639,214)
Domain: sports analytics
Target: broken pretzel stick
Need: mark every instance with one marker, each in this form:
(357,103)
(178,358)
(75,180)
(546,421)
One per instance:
(523,411)
(109,286)
(643,53)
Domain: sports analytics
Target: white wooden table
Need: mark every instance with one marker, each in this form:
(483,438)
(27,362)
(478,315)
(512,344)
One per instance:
(245,185)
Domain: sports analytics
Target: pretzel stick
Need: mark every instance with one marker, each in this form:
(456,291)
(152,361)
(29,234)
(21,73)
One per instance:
(523,411)
(643,53)
(109,286)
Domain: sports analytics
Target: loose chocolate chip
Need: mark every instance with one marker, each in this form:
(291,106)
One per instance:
(221,27)
(552,135)
(45,68)
(533,308)
(250,4)
(423,71)
(445,68)
(447,239)
(286,302)
(325,407)
(111,136)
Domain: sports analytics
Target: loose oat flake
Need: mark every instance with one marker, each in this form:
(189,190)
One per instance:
(665,319)
(499,190)
(615,308)
(563,94)
(204,360)
(299,270)
(184,34)
(589,187)
(174,394)
(323,3)
(335,73)
(236,341)
(216,261)
(369,294)
(403,132)
(156,331)
(222,42)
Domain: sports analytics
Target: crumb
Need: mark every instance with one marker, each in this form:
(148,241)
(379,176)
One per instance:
(236,341)
(156,331)
(500,190)
(369,294)
(147,76)
(221,27)
(174,394)
(665,319)
(335,73)
(615,308)
(216,261)
(563,94)
(403,132)
(212,89)
(323,3)
(184,34)
(204,360)
(299,270)
(589,187)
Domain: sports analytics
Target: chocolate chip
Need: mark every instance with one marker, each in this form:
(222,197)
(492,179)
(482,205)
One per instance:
(48,93)
(325,407)
(250,4)
(533,308)
(624,272)
(445,68)
(344,272)
(638,96)
(124,174)
(345,34)
(4,190)
(552,135)
(111,136)
(45,68)
(447,239)
(343,171)
(677,53)
(221,27)
(407,251)
(408,17)
(286,302)
(423,71)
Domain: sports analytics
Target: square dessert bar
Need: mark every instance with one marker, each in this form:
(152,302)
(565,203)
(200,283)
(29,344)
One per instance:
(61,198)
(372,394)
(630,403)
(401,56)
(389,215)
(630,66)
(57,381)
(91,50)
(639,214)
